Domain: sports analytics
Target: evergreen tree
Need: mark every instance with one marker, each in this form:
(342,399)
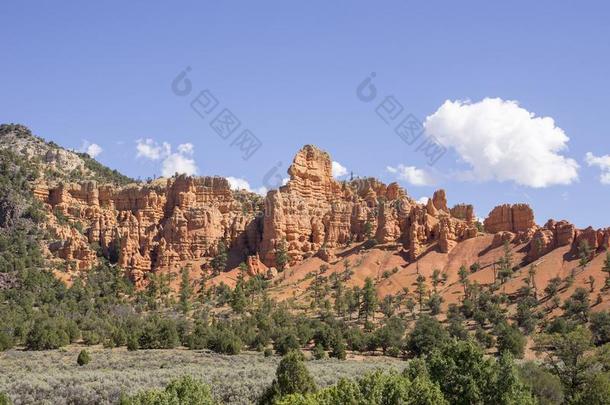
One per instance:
(584,253)
(369,299)
(219,262)
(421,290)
(291,377)
(281,256)
(606,269)
(436,279)
(186,290)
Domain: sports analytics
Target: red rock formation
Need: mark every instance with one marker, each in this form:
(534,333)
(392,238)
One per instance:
(313,211)
(550,237)
(518,218)
(160,225)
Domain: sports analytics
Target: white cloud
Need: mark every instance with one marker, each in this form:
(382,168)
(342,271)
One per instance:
(411,174)
(179,162)
(338,169)
(150,149)
(91,149)
(502,141)
(423,200)
(603,162)
(237,183)
(186,148)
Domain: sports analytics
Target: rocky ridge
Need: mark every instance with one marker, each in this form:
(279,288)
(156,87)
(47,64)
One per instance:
(167,224)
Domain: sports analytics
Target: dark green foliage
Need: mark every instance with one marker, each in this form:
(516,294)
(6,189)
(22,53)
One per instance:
(577,306)
(545,386)
(510,339)
(83,358)
(6,341)
(281,256)
(369,299)
(185,390)
(338,348)
(427,335)
(291,377)
(186,290)
(46,334)
(219,262)
(466,376)
(600,327)
(225,341)
(566,357)
(318,352)
(158,333)
(390,334)
(286,343)
(596,390)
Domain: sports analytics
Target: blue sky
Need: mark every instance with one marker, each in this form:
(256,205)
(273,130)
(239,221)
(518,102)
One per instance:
(289,71)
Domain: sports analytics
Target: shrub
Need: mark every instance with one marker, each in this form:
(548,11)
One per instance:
(268,352)
(600,327)
(132,343)
(6,341)
(185,390)
(338,349)
(511,339)
(4,399)
(286,343)
(225,341)
(318,352)
(158,333)
(427,334)
(83,358)
(46,334)
(545,386)
(291,377)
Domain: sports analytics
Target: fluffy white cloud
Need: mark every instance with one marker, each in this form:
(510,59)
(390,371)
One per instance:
(237,183)
(150,149)
(411,174)
(91,149)
(179,162)
(186,148)
(338,169)
(603,162)
(502,141)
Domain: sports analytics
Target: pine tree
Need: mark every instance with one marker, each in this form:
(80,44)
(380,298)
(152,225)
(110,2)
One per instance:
(506,264)
(463,274)
(436,279)
(219,262)
(281,256)
(421,290)
(584,253)
(369,299)
(606,269)
(185,291)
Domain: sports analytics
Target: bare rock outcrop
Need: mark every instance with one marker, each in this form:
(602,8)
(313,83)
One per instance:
(517,218)
(165,224)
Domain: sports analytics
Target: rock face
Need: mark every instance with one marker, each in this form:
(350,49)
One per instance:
(313,211)
(165,224)
(516,218)
(552,236)
(171,223)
